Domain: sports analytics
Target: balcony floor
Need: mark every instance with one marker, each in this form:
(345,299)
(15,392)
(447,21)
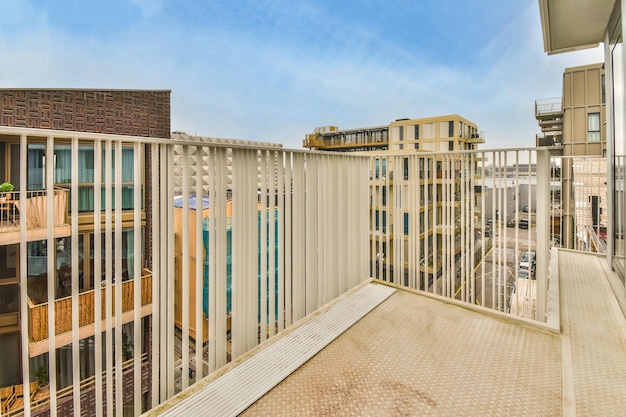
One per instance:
(415,355)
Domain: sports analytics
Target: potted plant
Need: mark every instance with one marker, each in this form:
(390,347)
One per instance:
(41,375)
(5,188)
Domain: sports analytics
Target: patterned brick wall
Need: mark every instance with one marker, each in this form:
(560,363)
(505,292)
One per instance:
(121,112)
(124,112)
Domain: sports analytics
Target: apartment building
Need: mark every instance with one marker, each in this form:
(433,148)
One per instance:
(444,179)
(575,126)
(49,256)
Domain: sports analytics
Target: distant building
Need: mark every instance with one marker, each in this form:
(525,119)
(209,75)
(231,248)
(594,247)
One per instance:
(440,195)
(575,125)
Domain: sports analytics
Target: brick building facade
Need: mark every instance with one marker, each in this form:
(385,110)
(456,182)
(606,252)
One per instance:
(120,112)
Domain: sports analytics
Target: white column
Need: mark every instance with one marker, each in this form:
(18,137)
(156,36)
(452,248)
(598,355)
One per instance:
(542,230)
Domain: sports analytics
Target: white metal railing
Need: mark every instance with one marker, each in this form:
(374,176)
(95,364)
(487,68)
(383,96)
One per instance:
(33,208)
(431,230)
(300,245)
(580,203)
(548,105)
(282,233)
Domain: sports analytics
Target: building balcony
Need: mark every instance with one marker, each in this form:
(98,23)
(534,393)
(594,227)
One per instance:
(38,312)
(549,109)
(34,210)
(496,364)
(476,137)
(320,276)
(12,397)
(549,139)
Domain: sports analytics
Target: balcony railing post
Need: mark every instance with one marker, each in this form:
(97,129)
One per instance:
(542,230)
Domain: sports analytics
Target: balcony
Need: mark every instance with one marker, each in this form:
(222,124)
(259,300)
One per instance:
(35,211)
(360,296)
(502,366)
(549,109)
(38,313)
(476,137)
(553,140)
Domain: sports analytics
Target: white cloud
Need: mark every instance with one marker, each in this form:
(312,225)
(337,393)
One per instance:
(228,82)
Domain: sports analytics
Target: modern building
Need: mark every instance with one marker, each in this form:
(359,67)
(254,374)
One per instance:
(575,126)
(36,237)
(443,176)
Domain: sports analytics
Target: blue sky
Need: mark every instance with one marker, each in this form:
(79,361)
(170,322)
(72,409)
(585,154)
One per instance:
(274,70)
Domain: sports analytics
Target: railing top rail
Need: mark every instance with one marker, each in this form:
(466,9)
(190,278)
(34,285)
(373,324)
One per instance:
(548,100)
(549,105)
(457,152)
(68,135)
(128,281)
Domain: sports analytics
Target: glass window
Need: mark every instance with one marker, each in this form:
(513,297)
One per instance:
(406,224)
(36,166)
(8,262)
(10,362)
(417,132)
(63,167)
(451,129)
(9,299)
(593,127)
(616,97)
(406,168)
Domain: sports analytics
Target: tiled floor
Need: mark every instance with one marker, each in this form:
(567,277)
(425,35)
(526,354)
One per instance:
(594,330)
(414,355)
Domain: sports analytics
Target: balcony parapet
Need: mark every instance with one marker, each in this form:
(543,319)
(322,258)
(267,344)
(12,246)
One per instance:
(12,397)
(35,209)
(548,108)
(38,313)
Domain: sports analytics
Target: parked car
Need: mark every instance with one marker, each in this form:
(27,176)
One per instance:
(523,273)
(523,224)
(488,232)
(525,209)
(528,261)
(510,223)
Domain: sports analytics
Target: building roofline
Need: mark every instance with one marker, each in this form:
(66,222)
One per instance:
(87,89)
(582,67)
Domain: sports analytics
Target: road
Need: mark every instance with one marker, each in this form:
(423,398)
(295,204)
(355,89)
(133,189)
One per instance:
(499,267)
